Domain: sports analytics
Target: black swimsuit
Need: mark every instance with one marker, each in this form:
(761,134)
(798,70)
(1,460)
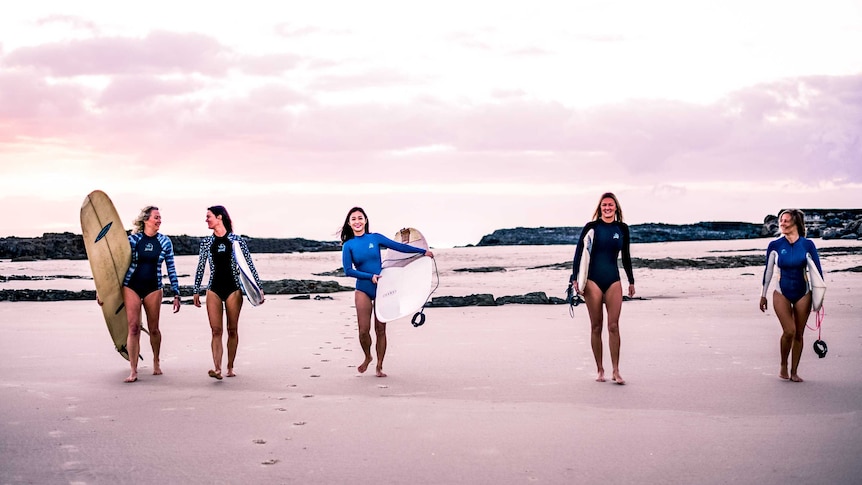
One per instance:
(145,278)
(223,282)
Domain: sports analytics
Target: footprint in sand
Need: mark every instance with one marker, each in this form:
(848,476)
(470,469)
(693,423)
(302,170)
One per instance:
(259,442)
(314,375)
(269,462)
(299,423)
(308,395)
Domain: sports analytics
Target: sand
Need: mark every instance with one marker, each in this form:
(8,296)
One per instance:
(477,395)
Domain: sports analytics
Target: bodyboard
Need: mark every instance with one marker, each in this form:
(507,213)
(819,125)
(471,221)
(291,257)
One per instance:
(584,267)
(110,255)
(405,280)
(246,278)
(815,284)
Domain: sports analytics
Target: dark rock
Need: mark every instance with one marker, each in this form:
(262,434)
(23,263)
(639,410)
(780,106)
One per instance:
(46,295)
(338,273)
(301,297)
(535,298)
(296,287)
(484,299)
(484,269)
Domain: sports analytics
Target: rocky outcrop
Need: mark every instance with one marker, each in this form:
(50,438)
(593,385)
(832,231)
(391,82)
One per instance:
(71,246)
(278,287)
(824,223)
(640,233)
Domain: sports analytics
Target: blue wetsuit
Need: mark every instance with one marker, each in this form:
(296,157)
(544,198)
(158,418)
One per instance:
(609,239)
(791,261)
(360,257)
(144,275)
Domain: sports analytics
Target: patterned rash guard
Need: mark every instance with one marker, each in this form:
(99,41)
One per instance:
(360,257)
(609,239)
(145,273)
(205,255)
(792,261)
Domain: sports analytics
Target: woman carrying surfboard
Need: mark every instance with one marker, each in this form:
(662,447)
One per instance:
(142,285)
(792,298)
(608,236)
(360,256)
(224,291)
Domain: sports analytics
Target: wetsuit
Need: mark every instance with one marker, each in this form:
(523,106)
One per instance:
(224,272)
(609,238)
(144,275)
(360,257)
(792,261)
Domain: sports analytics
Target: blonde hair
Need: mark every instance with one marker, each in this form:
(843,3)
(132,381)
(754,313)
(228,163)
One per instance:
(142,217)
(618,216)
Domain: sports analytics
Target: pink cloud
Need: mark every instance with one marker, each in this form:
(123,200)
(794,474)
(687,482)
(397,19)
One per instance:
(136,89)
(158,52)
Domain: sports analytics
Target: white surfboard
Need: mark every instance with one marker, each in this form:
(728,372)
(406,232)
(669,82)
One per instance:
(815,284)
(584,267)
(246,278)
(405,281)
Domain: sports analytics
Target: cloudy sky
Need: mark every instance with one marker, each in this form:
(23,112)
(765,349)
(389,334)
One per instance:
(455,117)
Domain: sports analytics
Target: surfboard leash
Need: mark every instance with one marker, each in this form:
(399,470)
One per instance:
(573,299)
(419,317)
(820,347)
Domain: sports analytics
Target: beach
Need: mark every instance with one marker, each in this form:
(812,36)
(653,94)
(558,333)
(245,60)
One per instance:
(502,394)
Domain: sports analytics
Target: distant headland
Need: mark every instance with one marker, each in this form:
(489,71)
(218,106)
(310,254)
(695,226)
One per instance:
(822,223)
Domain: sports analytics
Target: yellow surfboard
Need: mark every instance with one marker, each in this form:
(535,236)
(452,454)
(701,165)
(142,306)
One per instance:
(110,255)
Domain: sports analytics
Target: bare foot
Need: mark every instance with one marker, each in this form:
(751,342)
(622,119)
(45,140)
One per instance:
(364,365)
(380,372)
(619,380)
(131,378)
(796,378)
(230,373)
(601,376)
(783,373)
(157,371)
(215,374)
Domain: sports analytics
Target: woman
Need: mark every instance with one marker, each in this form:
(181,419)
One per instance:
(360,256)
(142,285)
(603,285)
(792,298)
(224,292)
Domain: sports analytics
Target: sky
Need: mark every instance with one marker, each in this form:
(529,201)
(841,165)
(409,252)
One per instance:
(454,117)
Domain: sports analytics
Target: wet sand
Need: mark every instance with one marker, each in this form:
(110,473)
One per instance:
(477,395)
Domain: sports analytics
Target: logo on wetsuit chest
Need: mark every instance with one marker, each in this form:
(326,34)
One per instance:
(149,247)
(370,245)
(221,248)
(616,235)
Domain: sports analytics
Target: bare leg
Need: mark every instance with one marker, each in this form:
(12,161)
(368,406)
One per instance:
(380,331)
(801,311)
(132,302)
(364,309)
(153,306)
(593,298)
(784,311)
(614,304)
(215,312)
(233,305)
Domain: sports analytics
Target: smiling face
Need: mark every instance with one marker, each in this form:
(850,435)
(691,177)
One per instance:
(152,224)
(608,208)
(358,223)
(787,225)
(212,220)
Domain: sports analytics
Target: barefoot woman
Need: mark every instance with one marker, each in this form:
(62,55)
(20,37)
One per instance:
(224,293)
(792,299)
(360,257)
(142,285)
(603,285)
